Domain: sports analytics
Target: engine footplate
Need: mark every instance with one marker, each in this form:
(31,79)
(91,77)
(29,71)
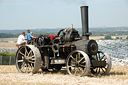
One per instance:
(58,61)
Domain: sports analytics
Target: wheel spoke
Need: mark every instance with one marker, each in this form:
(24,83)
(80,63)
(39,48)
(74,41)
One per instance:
(31,57)
(78,55)
(31,61)
(79,72)
(76,58)
(21,53)
(20,60)
(96,70)
(80,69)
(23,66)
(99,71)
(72,69)
(81,60)
(97,57)
(82,65)
(26,68)
(72,58)
(75,71)
(26,52)
(72,61)
(31,66)
(29,52)
(103,70)
(102,57)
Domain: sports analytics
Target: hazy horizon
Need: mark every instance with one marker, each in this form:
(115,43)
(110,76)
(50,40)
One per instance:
(126,27)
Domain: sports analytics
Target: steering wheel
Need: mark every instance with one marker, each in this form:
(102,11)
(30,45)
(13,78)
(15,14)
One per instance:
(61,32)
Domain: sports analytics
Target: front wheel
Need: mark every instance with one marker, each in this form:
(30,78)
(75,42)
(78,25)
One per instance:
(78,63)
(100,56)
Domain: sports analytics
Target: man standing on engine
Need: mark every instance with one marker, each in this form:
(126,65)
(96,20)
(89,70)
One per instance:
(29,35)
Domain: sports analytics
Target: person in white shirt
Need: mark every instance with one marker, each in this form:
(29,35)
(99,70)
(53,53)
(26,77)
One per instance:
(21,40)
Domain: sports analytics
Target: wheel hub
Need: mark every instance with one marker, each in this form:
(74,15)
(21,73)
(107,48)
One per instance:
(76,64)
(25,60)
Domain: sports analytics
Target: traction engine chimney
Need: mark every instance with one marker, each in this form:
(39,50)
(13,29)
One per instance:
(84,18)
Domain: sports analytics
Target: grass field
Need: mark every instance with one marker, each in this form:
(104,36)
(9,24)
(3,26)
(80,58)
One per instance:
(10,76)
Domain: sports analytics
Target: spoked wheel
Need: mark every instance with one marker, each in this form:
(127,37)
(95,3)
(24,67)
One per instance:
(28,59)
(78,63)
(101,69)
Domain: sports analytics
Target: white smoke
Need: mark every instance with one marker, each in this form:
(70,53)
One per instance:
(78,2)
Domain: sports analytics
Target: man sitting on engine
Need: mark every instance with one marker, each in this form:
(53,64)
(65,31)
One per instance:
(21,40)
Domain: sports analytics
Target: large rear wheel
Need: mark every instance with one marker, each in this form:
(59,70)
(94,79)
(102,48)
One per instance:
(28,59)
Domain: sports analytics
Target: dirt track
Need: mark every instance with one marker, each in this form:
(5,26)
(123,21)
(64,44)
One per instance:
(10,76)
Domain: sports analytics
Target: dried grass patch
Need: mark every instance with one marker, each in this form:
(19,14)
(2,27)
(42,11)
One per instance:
(8,69)
(117,72)
(10,76)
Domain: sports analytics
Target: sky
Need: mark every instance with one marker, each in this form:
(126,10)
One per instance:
(32,14)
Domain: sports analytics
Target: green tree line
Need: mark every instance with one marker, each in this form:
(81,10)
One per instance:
(7,58)
(112,33)
(94,33)
(8,35)
(15,35)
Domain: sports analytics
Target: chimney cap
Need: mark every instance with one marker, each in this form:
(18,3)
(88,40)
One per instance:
(83,6)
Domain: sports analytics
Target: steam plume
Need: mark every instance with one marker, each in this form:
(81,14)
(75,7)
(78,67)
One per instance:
(78,2)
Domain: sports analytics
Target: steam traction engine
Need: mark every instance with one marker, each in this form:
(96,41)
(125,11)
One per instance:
(79,54)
